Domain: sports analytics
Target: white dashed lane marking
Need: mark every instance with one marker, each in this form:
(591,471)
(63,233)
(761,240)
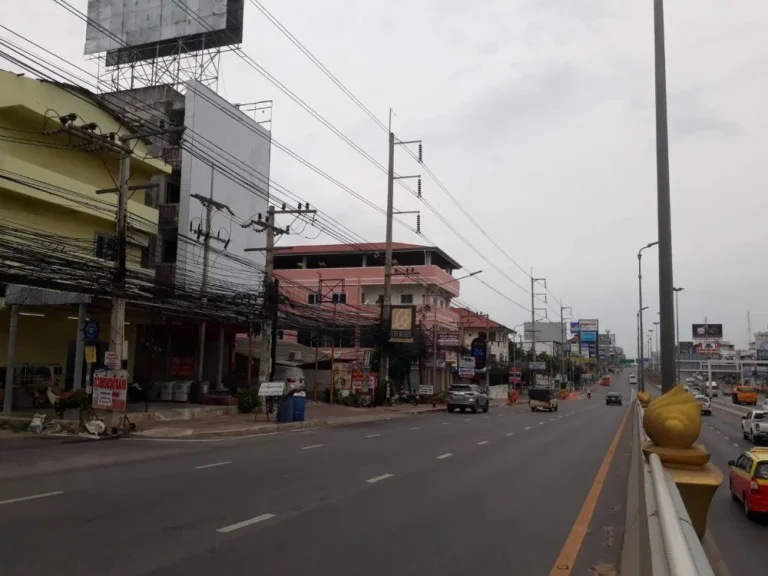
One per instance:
(214,465)
(444,456)
(25,498)
(313,447)
(244,523)
(379,478)
(482,443)
(373,435)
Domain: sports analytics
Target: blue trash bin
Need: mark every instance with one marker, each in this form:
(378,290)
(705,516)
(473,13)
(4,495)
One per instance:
(285,409)
(299,408)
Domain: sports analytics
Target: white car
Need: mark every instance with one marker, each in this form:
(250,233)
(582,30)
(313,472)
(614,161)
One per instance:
(765,404)
(633,378)
(706,405)
(754,426)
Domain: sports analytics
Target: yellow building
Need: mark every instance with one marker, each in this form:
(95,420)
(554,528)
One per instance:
(48,182)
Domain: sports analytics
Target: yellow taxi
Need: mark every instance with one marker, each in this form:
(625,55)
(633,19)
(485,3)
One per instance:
(749,480)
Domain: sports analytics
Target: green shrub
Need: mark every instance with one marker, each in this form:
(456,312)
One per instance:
(248,401)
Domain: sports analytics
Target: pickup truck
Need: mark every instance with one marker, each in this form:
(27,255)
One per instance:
(754,426)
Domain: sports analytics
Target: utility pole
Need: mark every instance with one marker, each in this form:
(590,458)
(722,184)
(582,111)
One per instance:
(533,320)
(204,281)
(269,325)
(562,336)
(387,302)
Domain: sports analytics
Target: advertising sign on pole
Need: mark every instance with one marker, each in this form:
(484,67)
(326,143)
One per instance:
(271,388)
(588,325)
(574,327)
(357,379)
(538,366)
(402,321)
(112,359)
(479,352)
(369,383)
(707,331)
(585,350)
(761,345)
(604,340)
(588,337)
(110,391)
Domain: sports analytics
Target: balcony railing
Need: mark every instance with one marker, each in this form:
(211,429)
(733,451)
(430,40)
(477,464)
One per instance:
(168,216)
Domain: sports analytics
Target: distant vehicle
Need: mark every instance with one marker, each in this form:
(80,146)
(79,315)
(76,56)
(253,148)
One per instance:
(463,396)
(613,398)
(711,389)
(690,380)
(765,404)
(605,381)
(633,378)
(706,405)
(746,395)
(291,375)
(748,480)
(754,426)
(542,399)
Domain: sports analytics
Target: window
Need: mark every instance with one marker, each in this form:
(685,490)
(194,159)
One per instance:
(105,247)
(406,298)
(339,298)
(761,472)
(315,298)
(280,334)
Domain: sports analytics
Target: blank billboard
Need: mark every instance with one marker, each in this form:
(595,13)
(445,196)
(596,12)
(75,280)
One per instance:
(545,332)
(133,30)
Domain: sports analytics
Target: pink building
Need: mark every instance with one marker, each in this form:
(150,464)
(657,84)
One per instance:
(349,279)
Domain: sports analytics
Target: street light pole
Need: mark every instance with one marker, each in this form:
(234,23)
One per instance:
(658,352)
(640,307)
(677,330)
(664,216)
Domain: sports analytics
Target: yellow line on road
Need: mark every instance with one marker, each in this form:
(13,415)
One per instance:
(567,558)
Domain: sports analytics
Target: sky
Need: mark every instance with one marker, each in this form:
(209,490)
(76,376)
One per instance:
(538,116)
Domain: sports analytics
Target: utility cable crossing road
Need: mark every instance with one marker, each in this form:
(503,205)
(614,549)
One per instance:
(513,493)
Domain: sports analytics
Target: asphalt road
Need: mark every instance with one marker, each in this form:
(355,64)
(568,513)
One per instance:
(436,494)
(742,542)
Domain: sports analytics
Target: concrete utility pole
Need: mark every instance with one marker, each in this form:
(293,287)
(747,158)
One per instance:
(666,279)
(204,281)
(269,324)
(562,338)
(677,330)
(533,320)
(387,302)
(12,335)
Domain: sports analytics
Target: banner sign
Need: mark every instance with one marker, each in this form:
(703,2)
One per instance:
(426,389)
(604,340)
(466,372)
(588,336)
(271,388)
(110,390)
(448,339)
(402,322)
(539,366)
(467,362)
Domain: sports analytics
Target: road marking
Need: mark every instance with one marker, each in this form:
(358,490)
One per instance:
(444,456)
(467,419)
(559,417)
(445,423)
(25,498)
(551,419)
(540,423)
(313,446)
(379,478)
(482,443)
(527,427)
(212,465)
(726,437)
(415,428)
(509,434)
(567,557)
(373,435)
(718,431)
(486,416)
(244,523)
(735,444)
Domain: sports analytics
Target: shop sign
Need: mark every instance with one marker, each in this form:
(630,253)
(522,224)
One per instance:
(479,352)
(539,366)
(426,389)
(271,388)
(110,391)
(466,372)
(402,321)
(112,359)
(369,383)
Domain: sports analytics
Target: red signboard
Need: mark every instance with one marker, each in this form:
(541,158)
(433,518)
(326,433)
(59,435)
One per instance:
(110,391)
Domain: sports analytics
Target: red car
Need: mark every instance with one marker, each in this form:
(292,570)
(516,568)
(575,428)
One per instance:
(749,481)
(605,381)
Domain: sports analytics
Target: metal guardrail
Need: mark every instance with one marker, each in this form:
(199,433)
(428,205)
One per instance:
(683,554)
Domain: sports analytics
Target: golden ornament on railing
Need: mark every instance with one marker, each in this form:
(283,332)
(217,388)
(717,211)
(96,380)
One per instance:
(673,420)
(644,398)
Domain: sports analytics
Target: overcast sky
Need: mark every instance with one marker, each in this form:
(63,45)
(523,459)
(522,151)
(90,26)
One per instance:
(538,115)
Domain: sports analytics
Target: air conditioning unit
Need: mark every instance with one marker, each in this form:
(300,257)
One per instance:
(294,356)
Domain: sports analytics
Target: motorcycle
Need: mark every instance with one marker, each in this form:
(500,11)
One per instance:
(404,397)
(589,394)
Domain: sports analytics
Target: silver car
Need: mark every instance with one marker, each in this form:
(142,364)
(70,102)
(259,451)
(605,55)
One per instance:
(463,396)
(706,405)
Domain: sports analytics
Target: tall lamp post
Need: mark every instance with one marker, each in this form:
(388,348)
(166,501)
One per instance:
(640,307)
(658,352)
(664,211)
(640,351)
(677,330)
(650,346)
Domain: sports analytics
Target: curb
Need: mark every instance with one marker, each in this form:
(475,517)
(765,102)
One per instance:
(284,427)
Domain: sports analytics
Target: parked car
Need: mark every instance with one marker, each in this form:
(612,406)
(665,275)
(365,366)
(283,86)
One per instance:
(613,398)
(463,396)
(748,480)
(754,426)
(291,375)
(706,405)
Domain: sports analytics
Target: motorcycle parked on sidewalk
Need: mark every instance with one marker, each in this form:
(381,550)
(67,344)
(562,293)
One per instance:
(404,397)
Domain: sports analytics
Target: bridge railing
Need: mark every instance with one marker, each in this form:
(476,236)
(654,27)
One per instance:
(659,539)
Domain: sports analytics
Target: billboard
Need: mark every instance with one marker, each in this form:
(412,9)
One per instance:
(588,325)
(574,327)
(545,332)
(135,30)
(761,345)
(479,349)
(588,336)
(606,340)
(687,348)
(584,349)
(707,331)
(217,129)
